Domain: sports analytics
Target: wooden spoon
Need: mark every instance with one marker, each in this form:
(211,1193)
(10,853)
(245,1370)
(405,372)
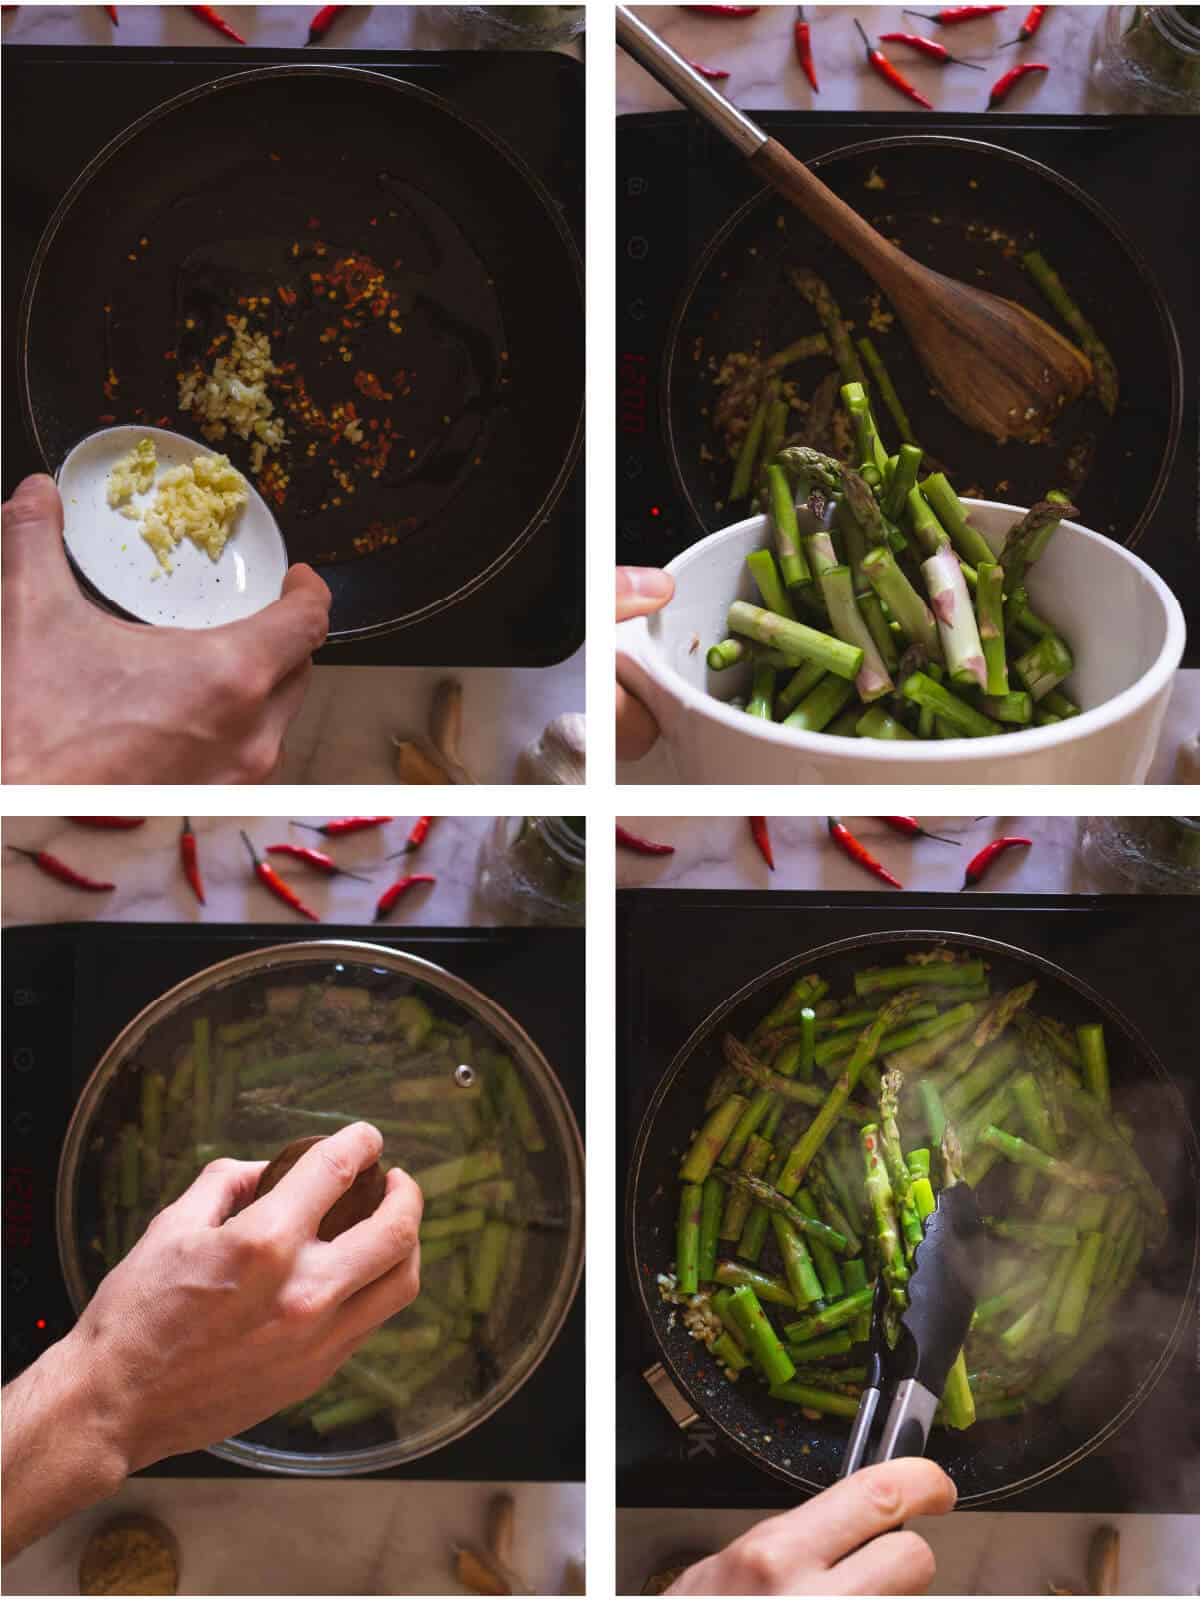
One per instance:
(999,368)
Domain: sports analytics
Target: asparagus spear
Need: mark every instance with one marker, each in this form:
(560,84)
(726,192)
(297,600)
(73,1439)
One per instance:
(711,1139)
(822,705)
(797,638)
(1028,539)
(872,678)
(1090,1038)
(738,1202)
(948,508)
(761,1340)
(823,302)
(788,536)
(888,394)
(957,630)
(688,1240)
(1105,371)
(763,569)
(835,1316)
(744,1063)
(816,1400)
(880,1197)
(752,440)
(991,613)
(809,469)
(799,1269)
(779,1205)
(763,689)
(914,617)
(767,1287)
(1044,666)
(1021,1151)
(869,445)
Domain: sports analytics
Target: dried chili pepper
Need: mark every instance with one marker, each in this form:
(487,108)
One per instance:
(270,879)
(108,822)
(315,859)
(1033,22)
(804,47)
(912,829)
(344,825)
(112,15)
(644,847)
(846,841)
(323,22)
(884,68)
(762,839)
(714,74)
(394,892)
(930,48)
(416,838)
(53,867)
(188,860)
(983,860)
(952,15)
(1000,90)
(216,20)
(723,11)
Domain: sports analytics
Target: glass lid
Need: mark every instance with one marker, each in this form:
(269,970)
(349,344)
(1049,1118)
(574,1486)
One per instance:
(302,1039)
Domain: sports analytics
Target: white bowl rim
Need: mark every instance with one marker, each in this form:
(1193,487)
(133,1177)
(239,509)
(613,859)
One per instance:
(933,753)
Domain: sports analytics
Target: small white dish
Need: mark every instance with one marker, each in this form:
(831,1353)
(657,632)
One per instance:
(109,551)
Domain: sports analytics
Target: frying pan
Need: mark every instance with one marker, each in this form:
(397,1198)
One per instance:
(991,1460)
(226,192)
(959,205)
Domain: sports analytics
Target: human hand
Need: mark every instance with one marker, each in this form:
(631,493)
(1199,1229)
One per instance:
(640,591)
(228,1308)
(90,698)
(845,1541)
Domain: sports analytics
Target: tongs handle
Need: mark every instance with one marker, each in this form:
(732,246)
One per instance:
(861,1431)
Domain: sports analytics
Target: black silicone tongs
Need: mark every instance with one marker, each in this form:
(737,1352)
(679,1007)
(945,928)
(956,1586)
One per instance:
(913,1373)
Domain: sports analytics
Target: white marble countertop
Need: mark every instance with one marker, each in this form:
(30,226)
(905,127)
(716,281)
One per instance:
(144,864)
(764,73)
(344,730)
(364,1536)
(718,853)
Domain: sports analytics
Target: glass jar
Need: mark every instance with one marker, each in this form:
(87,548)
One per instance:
(517,27)
(1150,54)
(532,870)
(1149,855)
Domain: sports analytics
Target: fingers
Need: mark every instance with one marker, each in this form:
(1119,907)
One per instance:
(637,730)
(641,590)
(382,1241)
(222,1189)
(32,544)
(869,1503)
(900,1563)
(285,634)
(305,1194)
(379,1301)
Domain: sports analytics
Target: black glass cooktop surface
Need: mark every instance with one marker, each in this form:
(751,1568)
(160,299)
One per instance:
(681,952)
(532,613)
(70,988)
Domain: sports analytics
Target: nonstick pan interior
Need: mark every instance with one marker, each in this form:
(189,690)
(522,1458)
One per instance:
(967,209)
(992,1460)
(227,193)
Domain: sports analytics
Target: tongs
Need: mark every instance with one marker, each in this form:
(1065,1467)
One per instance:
(913,1373)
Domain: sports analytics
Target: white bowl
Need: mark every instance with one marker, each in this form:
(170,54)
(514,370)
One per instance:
(1123,623)
(111,554)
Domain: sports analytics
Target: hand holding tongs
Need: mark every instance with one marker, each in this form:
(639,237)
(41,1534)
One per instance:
(932,1330)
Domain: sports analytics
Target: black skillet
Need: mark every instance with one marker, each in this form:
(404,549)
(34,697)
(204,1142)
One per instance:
(958,205)
(233,186)
(991,1460)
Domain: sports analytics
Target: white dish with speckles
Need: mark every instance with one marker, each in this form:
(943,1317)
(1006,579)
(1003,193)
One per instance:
(110,553)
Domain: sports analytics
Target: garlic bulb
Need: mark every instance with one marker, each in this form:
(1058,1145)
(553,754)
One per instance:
(558,756)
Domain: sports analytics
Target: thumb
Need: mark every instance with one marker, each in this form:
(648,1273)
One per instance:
(286,633)
(32,550)
(641,590)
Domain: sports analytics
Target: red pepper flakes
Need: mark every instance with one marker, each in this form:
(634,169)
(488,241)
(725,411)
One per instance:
(288,296)
(313,222)
(106,416)
(368,384)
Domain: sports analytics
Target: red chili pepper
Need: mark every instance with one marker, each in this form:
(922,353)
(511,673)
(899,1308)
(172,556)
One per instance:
(931,48)
(892,75)
(216,20)
(983,860)
(763,839)
(317,860)
(108,822)
(951,15)
(344,825)
(804,47)
(323,22)
(644,847)
(1006,81)
(112,15)
(723,11)
(716,74)
(270,879)
(1033,22)
(54,868)
(416,838)
(912,829)
(401,887)
(188,860)
(845,840)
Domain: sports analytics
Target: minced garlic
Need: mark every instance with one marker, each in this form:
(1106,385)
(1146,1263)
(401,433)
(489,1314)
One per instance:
(132,474)
(198,501)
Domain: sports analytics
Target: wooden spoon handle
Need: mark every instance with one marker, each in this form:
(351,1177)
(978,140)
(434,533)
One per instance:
(879,259)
